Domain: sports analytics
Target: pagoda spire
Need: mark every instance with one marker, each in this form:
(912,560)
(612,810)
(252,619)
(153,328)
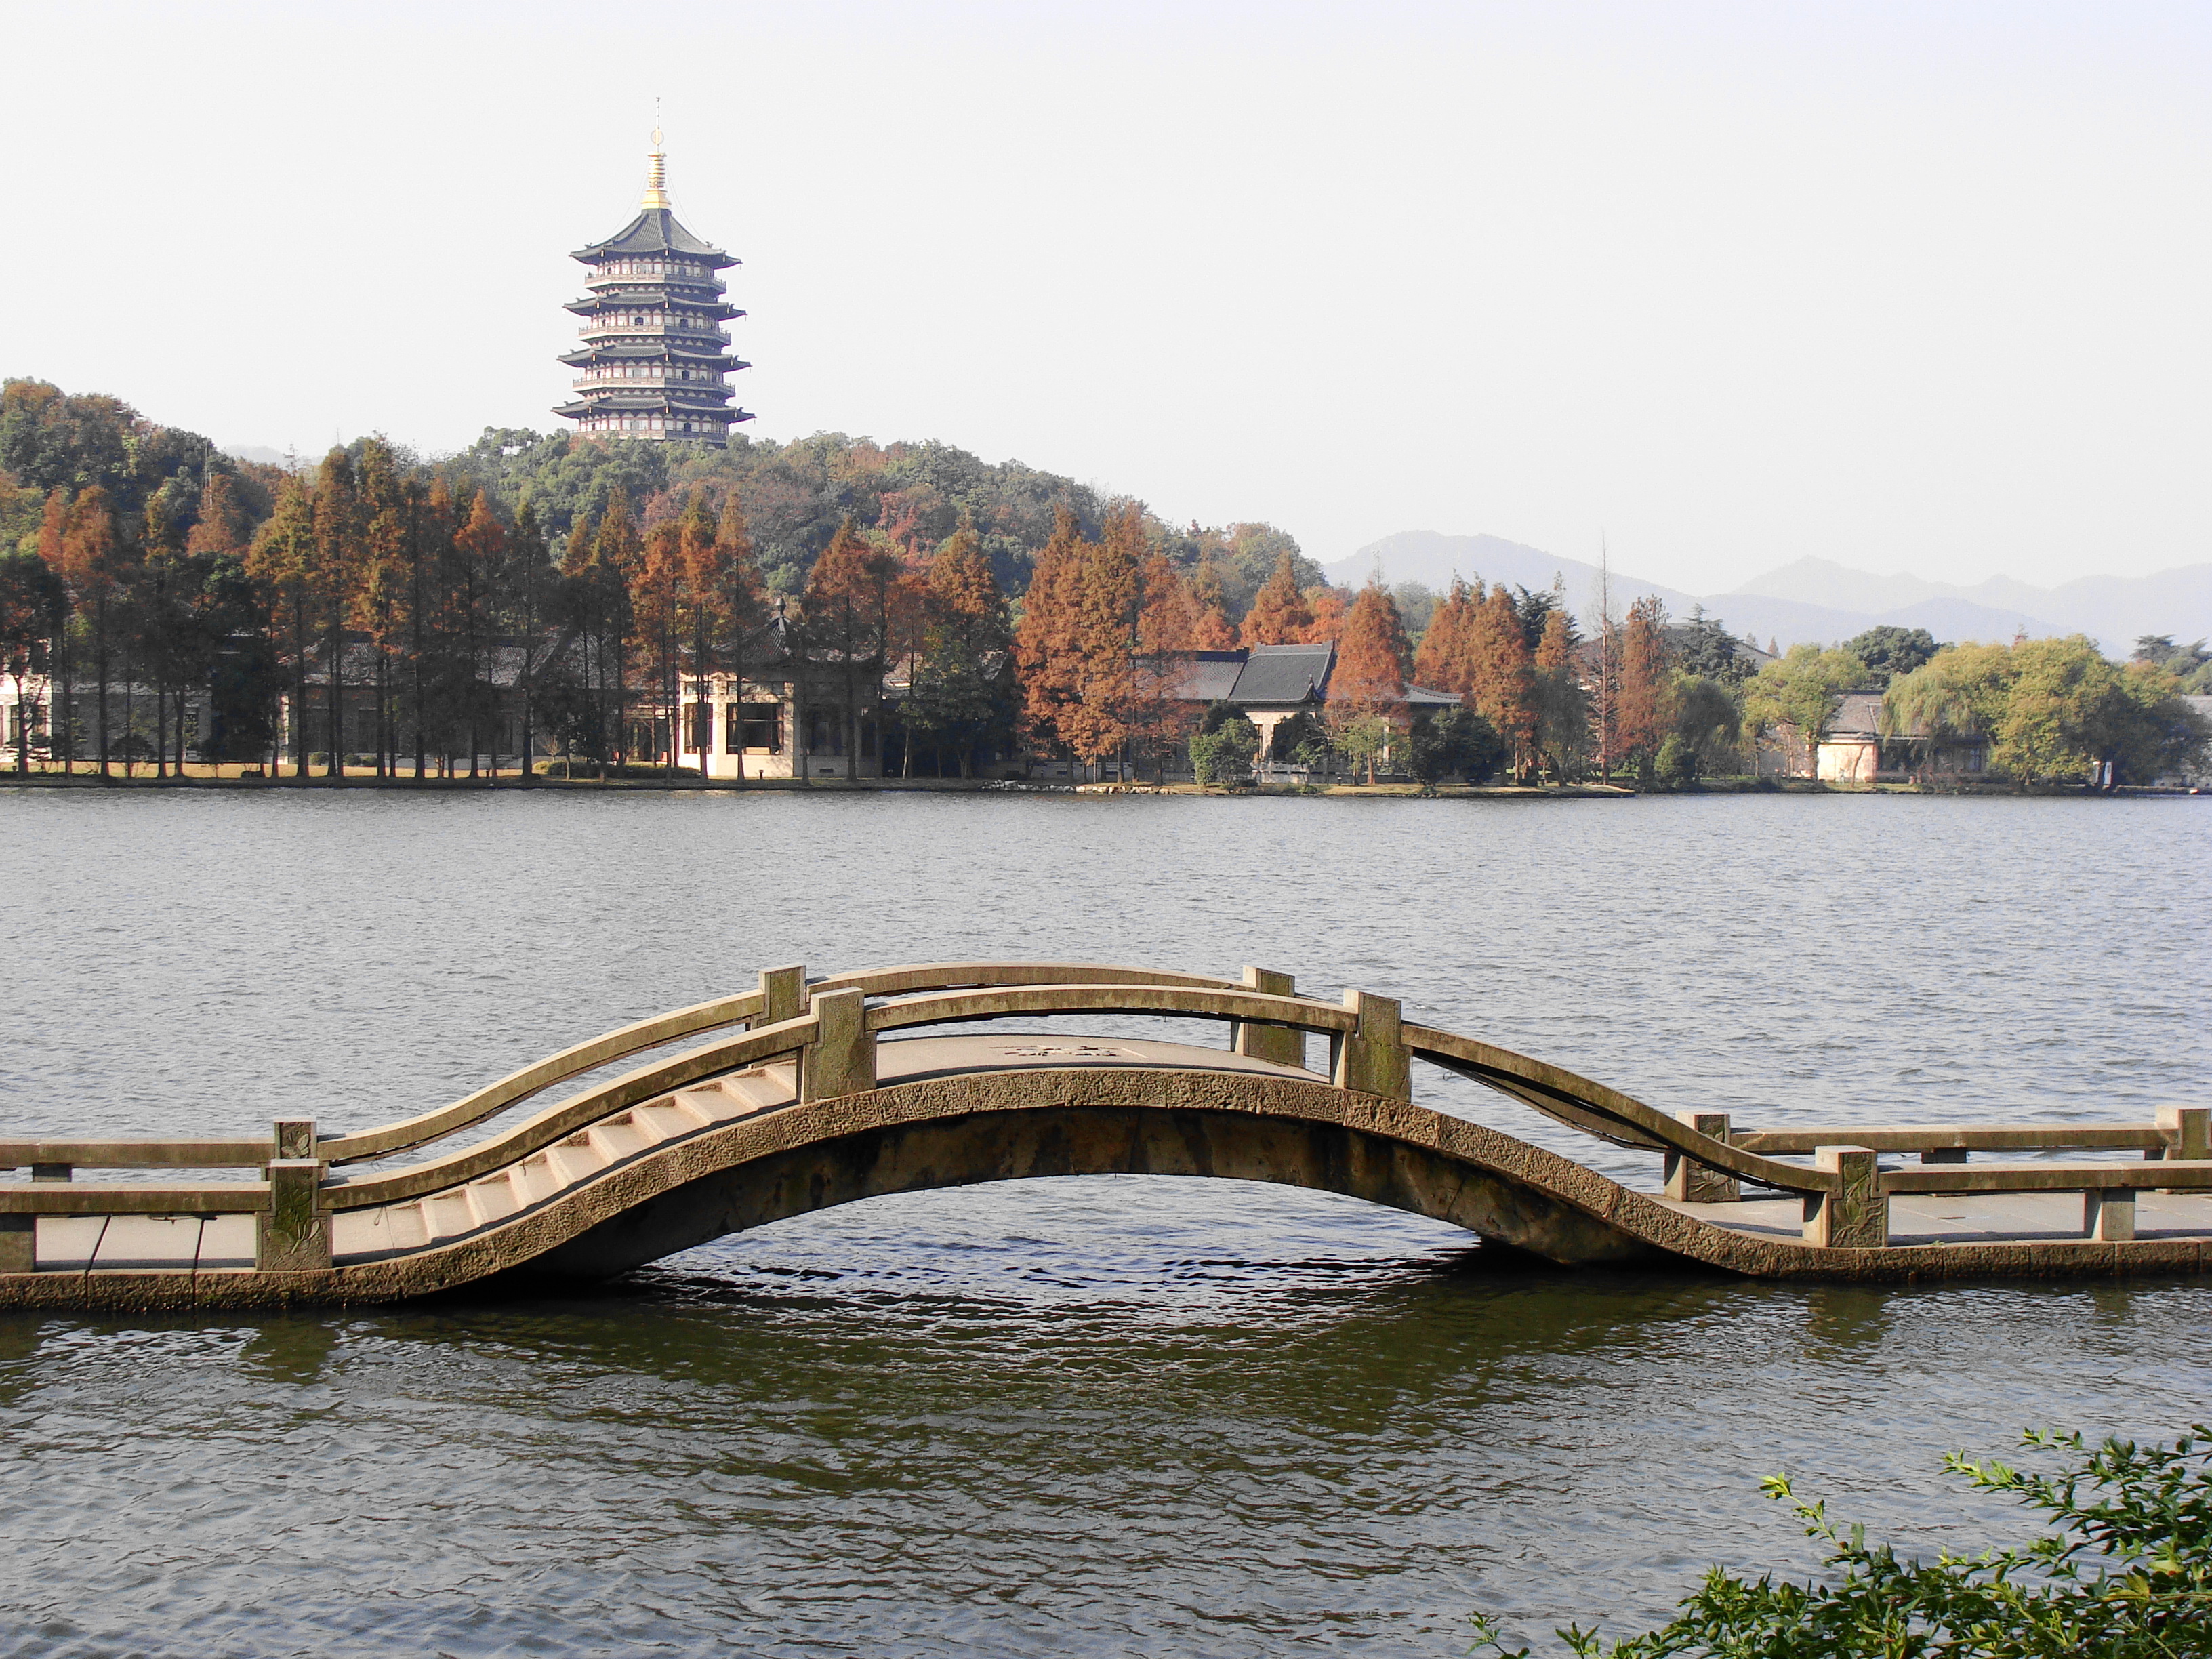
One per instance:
(656,176)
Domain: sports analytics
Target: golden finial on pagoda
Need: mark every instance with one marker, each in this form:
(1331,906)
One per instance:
(656,174)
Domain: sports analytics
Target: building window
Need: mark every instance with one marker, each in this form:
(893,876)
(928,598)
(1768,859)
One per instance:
(756,727)
(699,728)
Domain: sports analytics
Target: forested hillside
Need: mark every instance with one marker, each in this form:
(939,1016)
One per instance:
(590,576)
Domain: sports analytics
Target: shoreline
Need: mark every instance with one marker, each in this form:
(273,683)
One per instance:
(510,783)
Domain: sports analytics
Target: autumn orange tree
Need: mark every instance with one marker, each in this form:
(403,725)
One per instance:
(1645,702)
(1109,604)
(1047,655)
(658,599)
(1445,660)
(1279,615)
(1330,611)
(1167,621)
(1367,689)
(693,586)
(1502,677)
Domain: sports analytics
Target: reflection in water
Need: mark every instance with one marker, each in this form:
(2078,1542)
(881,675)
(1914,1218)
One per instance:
(1089,1416)
(1117,1414)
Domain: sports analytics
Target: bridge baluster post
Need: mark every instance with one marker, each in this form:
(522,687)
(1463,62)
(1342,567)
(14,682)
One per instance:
(293,1235)
(2188,1134)
(293,1137)
(842,1058)
(1278,1043)
(2108,1214)
(19,1243)
(1372,1057)
(783,995)
(1855,1216)
(1689,1181)
(2188,1130)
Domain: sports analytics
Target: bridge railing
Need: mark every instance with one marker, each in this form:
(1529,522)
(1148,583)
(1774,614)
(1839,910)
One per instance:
(831,1026)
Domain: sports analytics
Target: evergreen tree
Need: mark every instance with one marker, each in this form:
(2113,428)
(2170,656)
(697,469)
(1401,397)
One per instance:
(530,603)
(617,552)
(281,561)
(850,601)
(479,565)
(1555,646)
(1209,591)
(223,526)
(94,565)
(54,553)
(954,691)
(736,607)
(334,580)
(34,606)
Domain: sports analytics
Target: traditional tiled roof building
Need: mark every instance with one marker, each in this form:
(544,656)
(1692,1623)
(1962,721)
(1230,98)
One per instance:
(654,362)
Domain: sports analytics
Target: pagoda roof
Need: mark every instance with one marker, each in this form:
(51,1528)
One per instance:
(645,351)
(701,398)
(629,300)
(655,231)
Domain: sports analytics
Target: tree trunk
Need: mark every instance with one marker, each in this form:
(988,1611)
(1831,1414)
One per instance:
(100,662)
(334,768)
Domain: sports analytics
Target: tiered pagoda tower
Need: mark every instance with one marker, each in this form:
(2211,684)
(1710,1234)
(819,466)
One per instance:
(654,362)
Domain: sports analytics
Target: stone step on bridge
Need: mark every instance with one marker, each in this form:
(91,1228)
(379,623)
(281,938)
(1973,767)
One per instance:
(801,1094)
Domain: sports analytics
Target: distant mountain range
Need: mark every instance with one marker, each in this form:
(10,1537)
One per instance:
(1820,602)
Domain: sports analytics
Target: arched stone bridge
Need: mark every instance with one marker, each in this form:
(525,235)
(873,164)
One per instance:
(800,1095)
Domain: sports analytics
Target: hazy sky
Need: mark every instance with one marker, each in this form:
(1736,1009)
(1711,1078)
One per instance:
(1920,287)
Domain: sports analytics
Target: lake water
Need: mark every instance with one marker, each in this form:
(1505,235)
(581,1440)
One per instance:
(1097,1417)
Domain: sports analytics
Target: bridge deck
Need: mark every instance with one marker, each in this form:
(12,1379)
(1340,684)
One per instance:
(1971,1217)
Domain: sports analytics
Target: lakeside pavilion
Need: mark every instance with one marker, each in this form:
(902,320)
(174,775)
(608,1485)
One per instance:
(654,362)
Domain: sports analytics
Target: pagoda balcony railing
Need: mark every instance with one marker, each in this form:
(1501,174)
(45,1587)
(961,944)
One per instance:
(653,331)
(653,274)
(617,382)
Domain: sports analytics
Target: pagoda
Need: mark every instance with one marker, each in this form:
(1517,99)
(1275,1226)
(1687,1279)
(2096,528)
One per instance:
(654,362)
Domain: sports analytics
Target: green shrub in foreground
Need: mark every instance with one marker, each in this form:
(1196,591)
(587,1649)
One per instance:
(2125,1574)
